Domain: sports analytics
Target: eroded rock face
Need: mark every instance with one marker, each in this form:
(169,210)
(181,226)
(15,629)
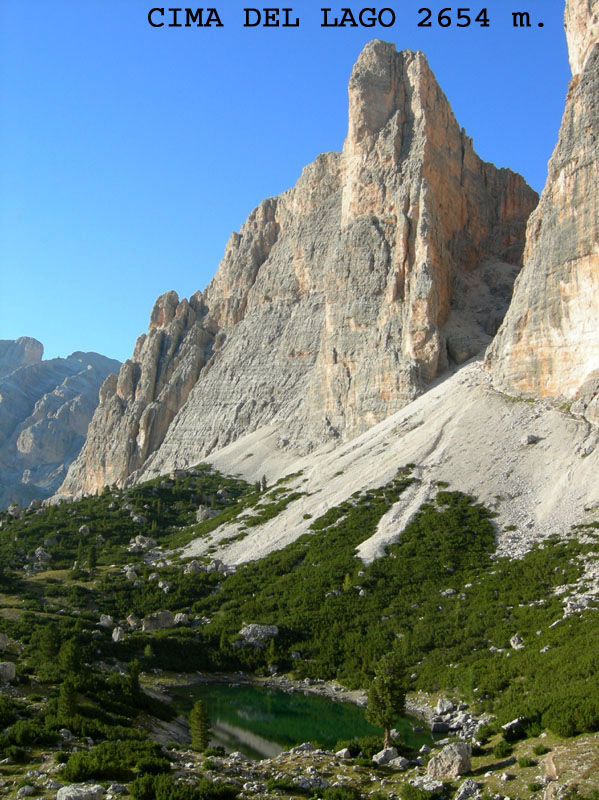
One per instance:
(337,302)
(21,352)
(549,342)
(45,408)
(137,406)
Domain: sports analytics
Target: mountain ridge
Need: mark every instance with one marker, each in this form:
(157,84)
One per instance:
(342,298)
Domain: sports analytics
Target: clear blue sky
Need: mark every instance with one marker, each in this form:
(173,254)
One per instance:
(129,154)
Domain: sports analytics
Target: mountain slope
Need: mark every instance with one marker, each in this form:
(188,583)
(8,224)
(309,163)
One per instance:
(338,301)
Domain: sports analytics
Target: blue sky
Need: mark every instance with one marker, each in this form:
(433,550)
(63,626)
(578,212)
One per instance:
(129,154)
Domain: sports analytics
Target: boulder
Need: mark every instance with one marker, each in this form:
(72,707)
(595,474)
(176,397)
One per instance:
(106,621)
(3,641)
(118,635)
(192,567)
(444,706)
(343,753)
(181,619)
(203,513)
(141,543)
(42,554)
(306,747)
(467,789)
(385,755)
(256,635)
(517,642)
(81,791)
(133,621)
(452,761)
(7,671)
(160,619)
(399,763)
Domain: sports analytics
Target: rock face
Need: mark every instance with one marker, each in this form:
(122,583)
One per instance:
(452,761)
(337,302)
(549,342)
(45,408)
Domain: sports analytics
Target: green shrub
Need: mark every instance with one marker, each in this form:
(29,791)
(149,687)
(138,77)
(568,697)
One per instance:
(527,761)
(340,793)
(409,792)
(17,754)
(503,749)
(164,787)
(540,749)
(114,760)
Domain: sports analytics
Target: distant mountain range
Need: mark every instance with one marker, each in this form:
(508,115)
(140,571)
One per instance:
(45,408)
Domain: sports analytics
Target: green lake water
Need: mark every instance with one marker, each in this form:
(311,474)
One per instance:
(261,722)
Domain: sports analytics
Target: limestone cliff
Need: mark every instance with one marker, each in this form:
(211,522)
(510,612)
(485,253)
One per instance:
(337,302)
(45,408)
(549,342)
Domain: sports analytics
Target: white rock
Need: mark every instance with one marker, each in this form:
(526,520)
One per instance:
(385,755)
(81,791)
(399,763)
(118,635)
(467,789)
(453,760)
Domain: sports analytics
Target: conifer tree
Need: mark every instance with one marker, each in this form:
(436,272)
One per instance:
(69,658)
(199,726)
(67,700)
(387,694)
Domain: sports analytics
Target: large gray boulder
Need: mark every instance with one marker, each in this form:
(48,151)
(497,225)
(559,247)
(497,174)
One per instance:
(256,635)
(452,761)
(385,756)
(81,791)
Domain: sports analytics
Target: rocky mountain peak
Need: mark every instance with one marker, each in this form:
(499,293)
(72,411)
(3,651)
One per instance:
(582,31)
(21,352)
(336,302)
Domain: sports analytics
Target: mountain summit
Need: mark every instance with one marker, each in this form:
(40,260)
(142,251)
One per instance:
(337,302)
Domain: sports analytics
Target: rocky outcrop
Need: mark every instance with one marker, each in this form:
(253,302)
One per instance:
(45,408)
(22,352)
(137,406)
(549,342)
(337,302)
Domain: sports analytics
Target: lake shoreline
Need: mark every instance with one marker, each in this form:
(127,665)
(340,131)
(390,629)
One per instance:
(419,706)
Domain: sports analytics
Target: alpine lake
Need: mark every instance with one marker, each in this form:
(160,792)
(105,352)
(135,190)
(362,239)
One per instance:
(261,722)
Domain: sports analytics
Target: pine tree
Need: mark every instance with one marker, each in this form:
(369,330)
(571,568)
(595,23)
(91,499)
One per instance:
(199,726)
(264,483)
(92,558)
(69,658)
(67,700)
(387,694)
